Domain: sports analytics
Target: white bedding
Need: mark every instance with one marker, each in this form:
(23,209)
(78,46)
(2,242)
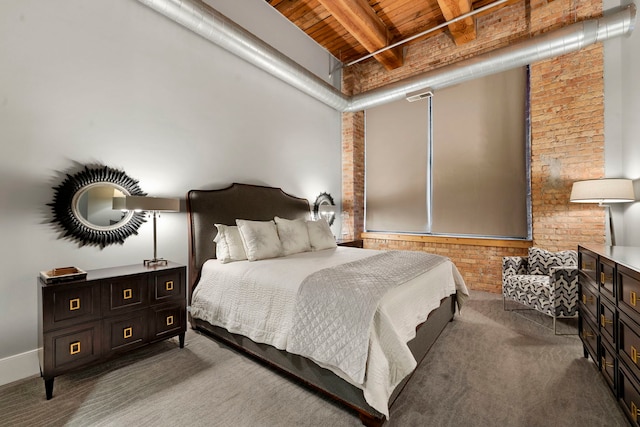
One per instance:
(257,300)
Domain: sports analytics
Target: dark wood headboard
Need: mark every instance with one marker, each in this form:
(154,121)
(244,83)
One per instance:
(239,201)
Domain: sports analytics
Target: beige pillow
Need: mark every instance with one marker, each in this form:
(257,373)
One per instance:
(293,235)
(229,245)
(320,235)
(260,239)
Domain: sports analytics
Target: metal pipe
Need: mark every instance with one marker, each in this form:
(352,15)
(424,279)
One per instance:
(220,30)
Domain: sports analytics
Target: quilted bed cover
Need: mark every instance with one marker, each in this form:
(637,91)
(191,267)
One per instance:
(258,300)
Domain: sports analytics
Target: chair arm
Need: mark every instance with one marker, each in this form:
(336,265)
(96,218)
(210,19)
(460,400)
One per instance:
(512,265)
(564,290)
(564,274)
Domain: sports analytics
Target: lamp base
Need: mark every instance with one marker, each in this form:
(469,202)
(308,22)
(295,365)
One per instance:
(154,262)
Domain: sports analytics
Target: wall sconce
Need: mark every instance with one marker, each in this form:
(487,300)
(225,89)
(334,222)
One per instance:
(325,207)
(603,192)
(149,204)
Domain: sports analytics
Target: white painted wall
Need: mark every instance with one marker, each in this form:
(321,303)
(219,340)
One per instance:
(622,125)
(115,83)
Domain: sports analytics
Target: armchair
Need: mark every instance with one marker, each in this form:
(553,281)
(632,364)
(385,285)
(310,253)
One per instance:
(544,281)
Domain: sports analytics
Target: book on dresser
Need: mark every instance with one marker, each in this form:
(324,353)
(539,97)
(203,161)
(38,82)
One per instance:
(609,323)
(110,312)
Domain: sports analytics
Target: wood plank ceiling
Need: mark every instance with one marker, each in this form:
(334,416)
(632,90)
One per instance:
(352,29)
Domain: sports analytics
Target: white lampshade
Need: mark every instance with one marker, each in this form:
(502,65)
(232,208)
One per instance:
(606,190)
(144,203)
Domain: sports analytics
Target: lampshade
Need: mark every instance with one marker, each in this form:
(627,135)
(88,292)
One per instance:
(144,203)
(606,190)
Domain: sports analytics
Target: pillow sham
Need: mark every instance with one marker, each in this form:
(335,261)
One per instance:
(293,235)
(540,260)
(229,245)
(320,235)
(260,239)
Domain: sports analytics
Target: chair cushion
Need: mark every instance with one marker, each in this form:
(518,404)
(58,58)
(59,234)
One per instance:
(538,287)
(541,260)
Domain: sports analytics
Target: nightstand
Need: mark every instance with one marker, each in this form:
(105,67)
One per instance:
(112,311)
(354,243)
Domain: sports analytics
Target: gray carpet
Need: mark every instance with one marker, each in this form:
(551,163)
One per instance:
(489,368)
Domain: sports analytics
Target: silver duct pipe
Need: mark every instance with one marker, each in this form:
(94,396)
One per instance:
(223,32)
(220,30)
(555,43)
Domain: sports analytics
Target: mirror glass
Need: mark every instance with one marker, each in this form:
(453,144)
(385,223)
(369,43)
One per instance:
(93,205)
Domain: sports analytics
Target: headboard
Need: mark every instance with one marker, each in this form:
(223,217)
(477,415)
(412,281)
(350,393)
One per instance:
(239,201)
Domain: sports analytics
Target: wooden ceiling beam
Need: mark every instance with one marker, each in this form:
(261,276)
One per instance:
(361,21)
(464,30)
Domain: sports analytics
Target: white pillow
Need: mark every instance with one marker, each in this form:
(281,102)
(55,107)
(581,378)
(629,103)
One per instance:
(293,235)
(260,239)
(229,244)
(320,235)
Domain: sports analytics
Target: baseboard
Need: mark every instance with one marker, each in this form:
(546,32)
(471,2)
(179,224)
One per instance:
(19,366)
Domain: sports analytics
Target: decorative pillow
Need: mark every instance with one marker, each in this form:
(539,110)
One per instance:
(320,235)
(293,235)
(540,261)
(229,246)
(260,239)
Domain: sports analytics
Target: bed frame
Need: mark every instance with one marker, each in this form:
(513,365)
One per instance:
(242,201)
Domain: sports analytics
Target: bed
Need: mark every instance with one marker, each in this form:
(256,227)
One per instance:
(259,203)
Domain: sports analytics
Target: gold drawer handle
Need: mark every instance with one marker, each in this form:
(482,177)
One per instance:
(74,304)
(604,321)
(634,412)
(74,347)
(127,294)
(634,355)
(605,364)
(169,320)
(587,299)
(168,285)
(633,298)
(127,332)
(587,335)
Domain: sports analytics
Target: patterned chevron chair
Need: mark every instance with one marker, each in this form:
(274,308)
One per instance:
(544,281)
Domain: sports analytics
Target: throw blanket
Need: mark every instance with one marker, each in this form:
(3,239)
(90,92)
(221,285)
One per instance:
(335,307)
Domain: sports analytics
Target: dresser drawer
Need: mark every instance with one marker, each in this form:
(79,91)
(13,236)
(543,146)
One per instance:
(71,347)
(606,278)
(629,394)
(589,337)
(125,332)
(587,263)
(629,343)
(608,365)
(124,294)
(607,323)
(167,285)
(588,300)
(167,320)
(629,291)
(66,305)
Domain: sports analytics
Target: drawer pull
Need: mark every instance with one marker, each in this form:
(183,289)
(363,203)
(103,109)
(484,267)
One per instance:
(74,304)
(127,294)
(604,321)
(168,285)
(634,355)
(605,364)
(633,298)
(634,412)
(169,320)
(74,347)
(587,299)
(602,278)
(127,332)
(587,335)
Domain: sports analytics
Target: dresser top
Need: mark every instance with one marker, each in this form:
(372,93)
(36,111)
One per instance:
(125,270)
(628,256)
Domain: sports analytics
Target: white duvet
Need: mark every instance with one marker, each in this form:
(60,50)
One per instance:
(257,300)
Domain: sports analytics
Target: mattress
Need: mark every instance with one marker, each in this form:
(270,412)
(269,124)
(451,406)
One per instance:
(257,299)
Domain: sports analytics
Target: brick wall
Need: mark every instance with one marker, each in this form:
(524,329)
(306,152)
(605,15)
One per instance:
(567,132)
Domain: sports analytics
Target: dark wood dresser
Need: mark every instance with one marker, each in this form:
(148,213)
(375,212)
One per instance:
(112,311)
(609,322)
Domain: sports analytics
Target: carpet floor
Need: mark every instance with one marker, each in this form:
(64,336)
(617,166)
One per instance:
(489,367)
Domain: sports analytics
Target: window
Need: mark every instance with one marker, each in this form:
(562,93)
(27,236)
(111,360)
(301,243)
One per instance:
(454,164)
